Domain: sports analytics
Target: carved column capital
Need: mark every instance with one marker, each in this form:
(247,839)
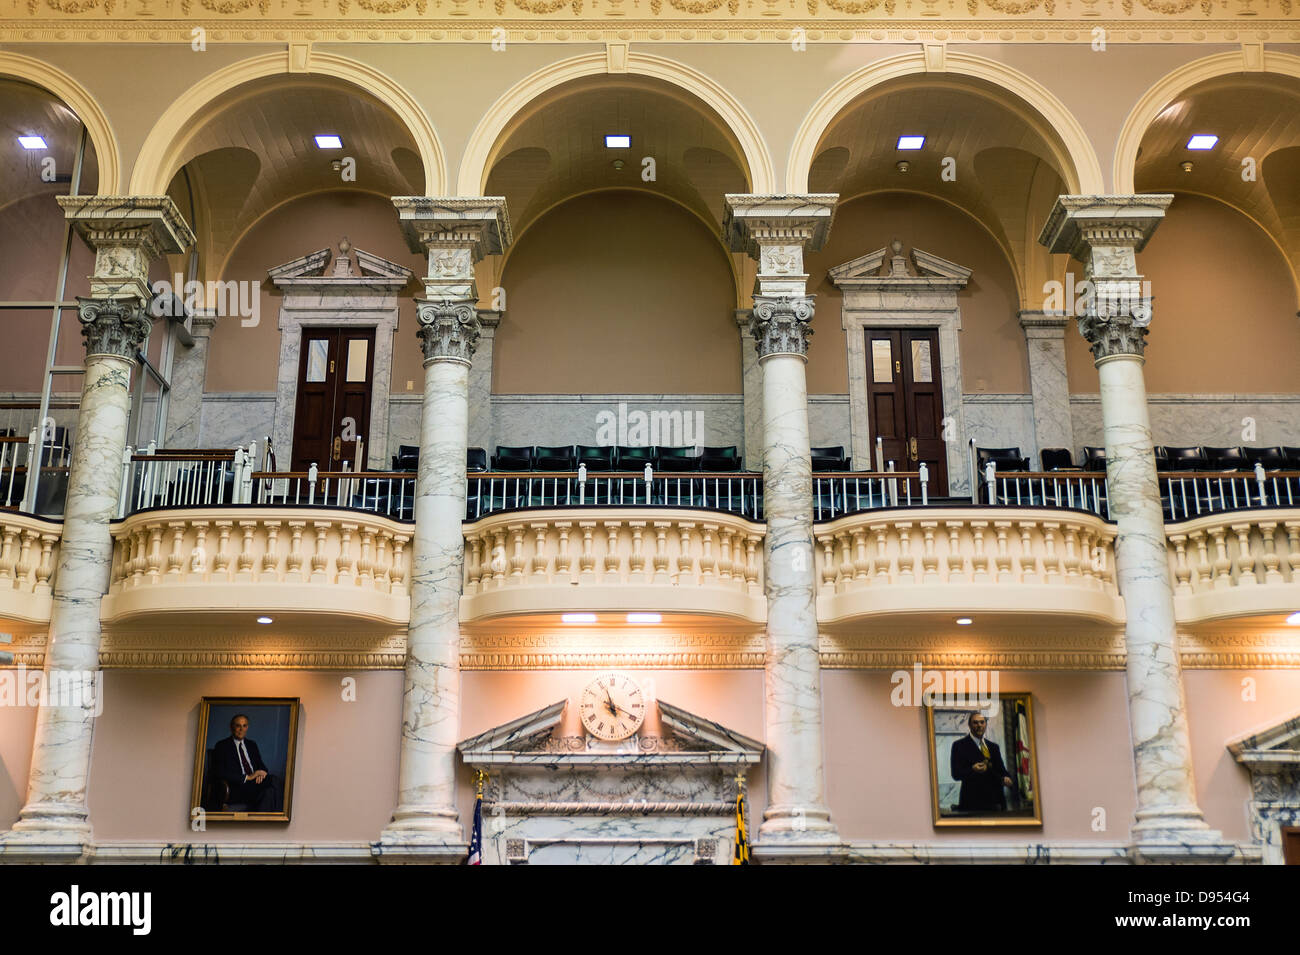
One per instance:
(449,330)
(113,326)
(781,325)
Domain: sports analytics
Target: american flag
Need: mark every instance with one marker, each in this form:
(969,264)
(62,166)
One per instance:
(476,835)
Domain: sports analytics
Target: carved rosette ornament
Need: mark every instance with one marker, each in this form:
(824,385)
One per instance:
(449,331)
(113,326)
(780,325)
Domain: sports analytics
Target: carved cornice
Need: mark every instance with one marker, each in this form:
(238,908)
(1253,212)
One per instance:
(113,326)
(449,331)
(706,21)
(170,650)
(782,325)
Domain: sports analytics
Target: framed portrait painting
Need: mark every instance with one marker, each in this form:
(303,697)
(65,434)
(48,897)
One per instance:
(984,763)
(243,759)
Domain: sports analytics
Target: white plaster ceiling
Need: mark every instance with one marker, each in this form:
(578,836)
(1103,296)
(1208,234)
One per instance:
(556,149)
(257,150)
(27,110)
(1255,116)
(1006,174)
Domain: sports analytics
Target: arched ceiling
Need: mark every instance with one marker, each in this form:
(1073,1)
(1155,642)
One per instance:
(27,110)
(556,149)
(1256,117)
(1005,173)
(257,150)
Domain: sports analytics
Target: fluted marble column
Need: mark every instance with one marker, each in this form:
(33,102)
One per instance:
(1045,342)
(455,233)
(127,233)
(777,230)
(1106,233)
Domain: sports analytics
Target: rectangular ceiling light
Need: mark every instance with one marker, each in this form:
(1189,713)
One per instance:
(618,142)
(328,141)
(1202,141)
(911,142)
(644,618)
(578,617)
(31,142)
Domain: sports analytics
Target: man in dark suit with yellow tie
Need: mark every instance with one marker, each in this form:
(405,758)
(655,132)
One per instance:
(239,762)
(977,764)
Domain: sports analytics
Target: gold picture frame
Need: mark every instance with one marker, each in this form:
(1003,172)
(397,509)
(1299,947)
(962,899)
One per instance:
(270,743)
(947,726)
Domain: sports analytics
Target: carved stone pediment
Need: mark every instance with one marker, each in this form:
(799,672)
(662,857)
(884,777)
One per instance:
(1269,750)
(667,797)
(890,268)
(1272,755)
(350,271)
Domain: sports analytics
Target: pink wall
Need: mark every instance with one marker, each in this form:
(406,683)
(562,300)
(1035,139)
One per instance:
(17,729)
(1217,713)
(878,771)
(142,768)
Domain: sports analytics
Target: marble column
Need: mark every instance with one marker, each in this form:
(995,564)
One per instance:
(189,374)
(752,385)
(455,233)
(1105,233)
(127,233)
(777,231)
(1045,342)
(480,382)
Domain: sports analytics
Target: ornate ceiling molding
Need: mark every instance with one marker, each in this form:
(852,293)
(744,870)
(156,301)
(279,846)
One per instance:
(587,21)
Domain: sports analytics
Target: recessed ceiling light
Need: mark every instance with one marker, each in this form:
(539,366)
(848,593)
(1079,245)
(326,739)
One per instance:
(964,621)
(1202,141)
(911,142)
(1294,619)
(328,141)
(644,618)
(619,141)
(578,617)
(31,142)
(265,620)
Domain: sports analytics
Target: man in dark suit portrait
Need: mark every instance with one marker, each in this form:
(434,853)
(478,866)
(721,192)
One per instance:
(977,765)
(239,762)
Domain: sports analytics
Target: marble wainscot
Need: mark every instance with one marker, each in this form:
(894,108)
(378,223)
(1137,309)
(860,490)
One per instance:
(236,418)
(1273,757)
(668,799)
(360,290)
(1182,420)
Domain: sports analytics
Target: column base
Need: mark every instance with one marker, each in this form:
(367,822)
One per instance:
(422,834)
(47,833)
(1177,835)
(790,832)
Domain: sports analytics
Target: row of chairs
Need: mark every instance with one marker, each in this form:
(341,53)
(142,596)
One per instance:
(595,457)
(1194,458)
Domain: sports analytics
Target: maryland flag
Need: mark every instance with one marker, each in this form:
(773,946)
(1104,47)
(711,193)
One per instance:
(741,856)
(1024,781)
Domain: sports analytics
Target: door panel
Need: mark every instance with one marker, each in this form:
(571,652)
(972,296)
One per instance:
(905,401)
(335,380)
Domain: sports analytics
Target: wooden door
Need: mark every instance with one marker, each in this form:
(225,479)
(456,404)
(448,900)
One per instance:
(905,401)
(1291,845)
(335,381)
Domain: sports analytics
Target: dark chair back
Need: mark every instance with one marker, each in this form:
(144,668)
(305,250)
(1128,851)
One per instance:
(407,458)
(1292,458)
(720,459)
(1094,459)
(829,459)
(1187,459)
(1055,458)
(476,459)
(677,459)
(1005,459)
(633,459)
(1227,459)
(596,457)
(554,458)
(1273,459)
(512,458)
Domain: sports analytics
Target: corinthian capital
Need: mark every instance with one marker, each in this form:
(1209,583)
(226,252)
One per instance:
(1115,335)
(449,331)
(113,326)
(780,325)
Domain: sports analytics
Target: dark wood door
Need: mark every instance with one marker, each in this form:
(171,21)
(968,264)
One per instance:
(335,380)
(905,401)
(1291,845)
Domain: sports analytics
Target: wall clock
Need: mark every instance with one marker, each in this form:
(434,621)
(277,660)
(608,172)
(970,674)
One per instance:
(612,706)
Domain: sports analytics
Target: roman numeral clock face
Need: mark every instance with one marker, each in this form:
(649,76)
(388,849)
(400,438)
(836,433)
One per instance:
(612,706)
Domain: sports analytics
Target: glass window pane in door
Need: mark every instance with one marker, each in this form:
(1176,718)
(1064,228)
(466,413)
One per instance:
(921,371)
(318,354)
(882,359)
(358,352)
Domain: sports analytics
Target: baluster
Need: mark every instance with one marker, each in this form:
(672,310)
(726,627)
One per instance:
(244,566)
(906,561)
(1202,568)
(1071,561)
(1222,565)
(1293,549)
(516,532)
(979,559)
(154,560)
(45,569)
(176,558)
(685,561)
(753,562)
(661,551)
(540,558)
(1002,560)
(345,562)
(613,560)
(1267,534)
(397,576)
(473,562)
(636,558)
(221,563)
(1182,570)
(1027,560)
(294,563)
(861,560)
(828,562)
(271,556)
(881,560)
(1246,576)
(319,559)
(956,559)
(708,563)
(199,555)
(724,564)
(1051,559)
(846,561)
(587,559)
(366,565)
(7,559)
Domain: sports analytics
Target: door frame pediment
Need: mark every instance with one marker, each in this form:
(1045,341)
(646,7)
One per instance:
(887,289)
